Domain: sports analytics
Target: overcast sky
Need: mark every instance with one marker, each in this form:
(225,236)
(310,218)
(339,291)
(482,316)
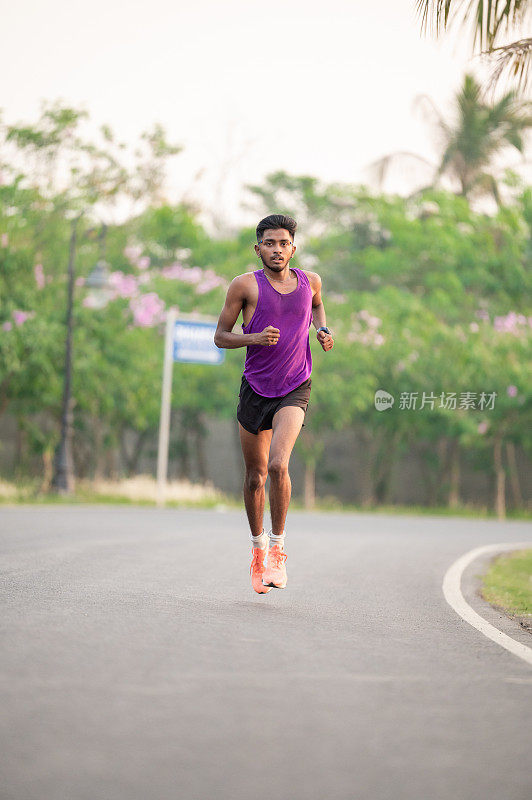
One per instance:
(247,87)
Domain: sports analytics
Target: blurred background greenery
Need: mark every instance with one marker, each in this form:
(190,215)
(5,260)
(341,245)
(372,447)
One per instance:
(428,296)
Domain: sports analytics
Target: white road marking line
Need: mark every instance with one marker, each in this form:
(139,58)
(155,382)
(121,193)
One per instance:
(453,594)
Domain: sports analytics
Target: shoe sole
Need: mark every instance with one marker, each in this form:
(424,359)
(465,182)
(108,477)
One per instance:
(275,585)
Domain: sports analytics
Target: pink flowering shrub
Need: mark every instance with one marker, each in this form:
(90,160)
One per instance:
(144,262)
(123,285)
(204,280)
(512,323)
(20,317)
(210,281)
(147,309)
(174,271)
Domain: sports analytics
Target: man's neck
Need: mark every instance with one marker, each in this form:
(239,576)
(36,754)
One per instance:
(284,276)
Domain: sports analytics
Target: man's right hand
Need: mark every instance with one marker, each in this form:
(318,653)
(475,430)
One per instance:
(269,336)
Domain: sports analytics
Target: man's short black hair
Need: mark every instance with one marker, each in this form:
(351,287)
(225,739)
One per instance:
(275,221)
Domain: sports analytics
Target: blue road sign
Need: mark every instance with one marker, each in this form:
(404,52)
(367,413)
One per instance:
(193,342)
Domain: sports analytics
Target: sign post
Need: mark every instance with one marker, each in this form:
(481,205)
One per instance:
(190,341)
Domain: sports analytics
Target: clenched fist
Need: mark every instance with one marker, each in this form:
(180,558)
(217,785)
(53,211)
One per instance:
(269,335)
(325,339)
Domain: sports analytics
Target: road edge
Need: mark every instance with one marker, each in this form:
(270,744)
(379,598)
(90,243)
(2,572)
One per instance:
(452,591)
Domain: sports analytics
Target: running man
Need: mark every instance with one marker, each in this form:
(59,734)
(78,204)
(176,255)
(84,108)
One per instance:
(278,304)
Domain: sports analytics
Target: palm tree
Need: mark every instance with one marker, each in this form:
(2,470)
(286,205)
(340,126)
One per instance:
(492,20)
(470,145)
(481,132)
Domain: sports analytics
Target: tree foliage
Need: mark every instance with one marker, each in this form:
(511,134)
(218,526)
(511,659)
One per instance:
(426,297)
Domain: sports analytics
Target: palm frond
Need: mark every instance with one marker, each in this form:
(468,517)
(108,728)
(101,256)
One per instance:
(378,170)
(431,113)
(508,14)
(434,15)
(489,18)
(512,60)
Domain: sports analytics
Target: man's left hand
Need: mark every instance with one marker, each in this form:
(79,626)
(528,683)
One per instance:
(325,339)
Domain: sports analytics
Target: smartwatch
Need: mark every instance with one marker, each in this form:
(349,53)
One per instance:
(324,328)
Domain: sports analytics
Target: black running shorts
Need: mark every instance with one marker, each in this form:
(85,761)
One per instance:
(255,412)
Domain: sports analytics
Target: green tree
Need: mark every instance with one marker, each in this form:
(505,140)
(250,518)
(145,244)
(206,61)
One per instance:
(471,145)
(482,132)
(56,180)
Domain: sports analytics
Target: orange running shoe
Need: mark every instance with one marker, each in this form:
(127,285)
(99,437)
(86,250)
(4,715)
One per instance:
(275,573)
(257,569)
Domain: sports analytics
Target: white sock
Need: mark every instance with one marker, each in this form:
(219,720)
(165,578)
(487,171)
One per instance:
(260,540)
(276,540)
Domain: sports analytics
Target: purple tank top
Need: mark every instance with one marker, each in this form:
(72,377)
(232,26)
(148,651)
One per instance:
(276,370)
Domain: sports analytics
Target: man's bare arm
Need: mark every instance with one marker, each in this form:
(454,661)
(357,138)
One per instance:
(234,302)
(318,313)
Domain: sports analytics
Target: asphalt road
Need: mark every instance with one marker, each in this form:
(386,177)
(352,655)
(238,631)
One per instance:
(138,664)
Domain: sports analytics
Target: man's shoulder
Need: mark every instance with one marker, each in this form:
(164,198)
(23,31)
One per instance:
(243,282)
(313,278)
(245,278)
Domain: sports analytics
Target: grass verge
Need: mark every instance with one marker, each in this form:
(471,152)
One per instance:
(140,490)
(508,585)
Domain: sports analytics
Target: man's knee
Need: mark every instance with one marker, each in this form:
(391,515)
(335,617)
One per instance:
(255,479)
(277,468)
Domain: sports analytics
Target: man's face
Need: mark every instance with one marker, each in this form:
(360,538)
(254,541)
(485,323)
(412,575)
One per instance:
(275,248)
